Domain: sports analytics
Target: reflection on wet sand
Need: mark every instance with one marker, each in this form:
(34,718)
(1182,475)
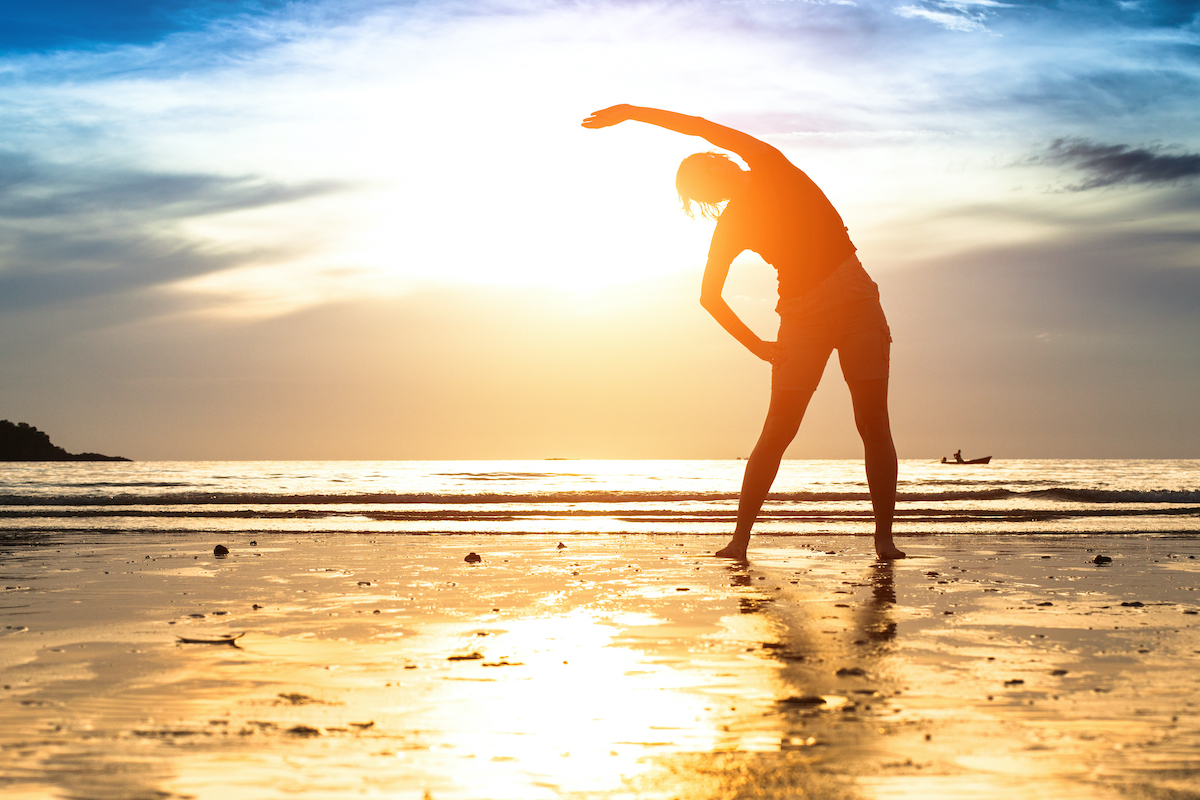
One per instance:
(620,667)
(832,655)
(537,673)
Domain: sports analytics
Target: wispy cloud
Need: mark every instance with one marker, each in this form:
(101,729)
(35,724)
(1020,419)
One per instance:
(69,231)
(956,15)
(1112,164)
(30,190)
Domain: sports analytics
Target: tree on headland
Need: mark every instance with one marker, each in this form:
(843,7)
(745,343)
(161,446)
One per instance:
(20,441)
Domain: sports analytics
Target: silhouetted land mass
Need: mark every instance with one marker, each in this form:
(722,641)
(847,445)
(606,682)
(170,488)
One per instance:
(20,441)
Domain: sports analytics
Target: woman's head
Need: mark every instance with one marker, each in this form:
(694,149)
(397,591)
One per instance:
(707,179)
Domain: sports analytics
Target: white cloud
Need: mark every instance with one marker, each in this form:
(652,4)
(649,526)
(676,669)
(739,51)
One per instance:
(955,15)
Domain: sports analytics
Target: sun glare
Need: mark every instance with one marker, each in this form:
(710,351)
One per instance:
(569,219)
(576,210)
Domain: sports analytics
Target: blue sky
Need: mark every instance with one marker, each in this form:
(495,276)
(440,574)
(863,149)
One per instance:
(81,24)
(375,230)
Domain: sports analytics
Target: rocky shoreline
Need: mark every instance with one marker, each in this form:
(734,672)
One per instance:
(20,441)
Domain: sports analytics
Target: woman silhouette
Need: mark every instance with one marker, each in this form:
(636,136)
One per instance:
(826,301)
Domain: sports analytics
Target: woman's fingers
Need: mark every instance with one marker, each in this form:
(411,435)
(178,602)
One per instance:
(605,117)
(596,120)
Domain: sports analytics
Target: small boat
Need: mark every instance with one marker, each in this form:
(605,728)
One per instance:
(958,459)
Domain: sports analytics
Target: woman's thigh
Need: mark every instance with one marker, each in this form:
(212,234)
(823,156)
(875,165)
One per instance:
(805,344)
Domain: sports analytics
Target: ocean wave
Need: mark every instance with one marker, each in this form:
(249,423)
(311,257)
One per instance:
(612,499)
(1119,495)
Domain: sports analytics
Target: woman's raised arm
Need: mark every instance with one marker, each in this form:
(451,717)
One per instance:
(725,138)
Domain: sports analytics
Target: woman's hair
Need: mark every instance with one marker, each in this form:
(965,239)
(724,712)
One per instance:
(695,184)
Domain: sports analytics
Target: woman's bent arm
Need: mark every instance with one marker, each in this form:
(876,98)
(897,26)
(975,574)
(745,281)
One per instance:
(711,298)
(726,138)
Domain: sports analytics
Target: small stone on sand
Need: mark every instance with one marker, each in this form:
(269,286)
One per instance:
(473,558)
(220,550)
(303,730)
(1101,560)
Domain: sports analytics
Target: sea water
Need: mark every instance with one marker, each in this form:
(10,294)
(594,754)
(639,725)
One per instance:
(565,497)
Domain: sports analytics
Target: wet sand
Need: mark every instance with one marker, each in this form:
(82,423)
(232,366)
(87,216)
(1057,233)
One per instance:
(617,667)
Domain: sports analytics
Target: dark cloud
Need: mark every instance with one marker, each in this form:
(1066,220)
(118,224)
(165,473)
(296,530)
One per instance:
(29,189)
(54,269)
(68,232)
(1108,165)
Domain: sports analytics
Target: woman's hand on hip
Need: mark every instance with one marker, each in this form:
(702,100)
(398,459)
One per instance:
(770,352)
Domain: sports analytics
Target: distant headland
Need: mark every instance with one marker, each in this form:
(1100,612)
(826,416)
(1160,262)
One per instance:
(20,441)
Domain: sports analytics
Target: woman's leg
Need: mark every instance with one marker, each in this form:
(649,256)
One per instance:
(871,418)
(783,420)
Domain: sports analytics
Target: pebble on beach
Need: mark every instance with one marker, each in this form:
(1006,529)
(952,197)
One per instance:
(473,558)
(1101,560)
(220,550)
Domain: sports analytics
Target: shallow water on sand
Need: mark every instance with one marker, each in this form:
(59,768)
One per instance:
(618,666)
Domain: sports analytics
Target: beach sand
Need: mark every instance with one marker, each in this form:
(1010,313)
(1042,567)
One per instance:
(616,667)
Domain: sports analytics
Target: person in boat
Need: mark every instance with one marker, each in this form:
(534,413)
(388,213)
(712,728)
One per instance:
(958,459)
(826,302)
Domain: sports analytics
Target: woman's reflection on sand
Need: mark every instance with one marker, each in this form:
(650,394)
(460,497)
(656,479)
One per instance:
(833,647)
(875,617)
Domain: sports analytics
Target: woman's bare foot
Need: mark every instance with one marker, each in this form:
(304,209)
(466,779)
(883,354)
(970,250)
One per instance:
(888,552)
(732,550)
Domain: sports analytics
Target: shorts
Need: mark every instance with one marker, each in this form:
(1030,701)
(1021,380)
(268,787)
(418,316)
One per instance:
(842,312)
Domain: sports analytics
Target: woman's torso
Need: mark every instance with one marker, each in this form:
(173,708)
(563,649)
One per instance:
(788,221)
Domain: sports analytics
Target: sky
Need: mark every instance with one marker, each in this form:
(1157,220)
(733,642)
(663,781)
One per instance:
(354,229)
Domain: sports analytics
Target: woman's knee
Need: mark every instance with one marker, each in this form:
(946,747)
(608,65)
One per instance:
(777,434)
(874,428)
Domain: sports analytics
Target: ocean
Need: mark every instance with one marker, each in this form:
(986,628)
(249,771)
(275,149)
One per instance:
(568,497)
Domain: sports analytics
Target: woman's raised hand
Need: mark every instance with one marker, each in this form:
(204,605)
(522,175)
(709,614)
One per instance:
(608,116)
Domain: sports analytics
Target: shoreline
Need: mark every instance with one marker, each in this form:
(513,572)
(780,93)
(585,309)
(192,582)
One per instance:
(618,666)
